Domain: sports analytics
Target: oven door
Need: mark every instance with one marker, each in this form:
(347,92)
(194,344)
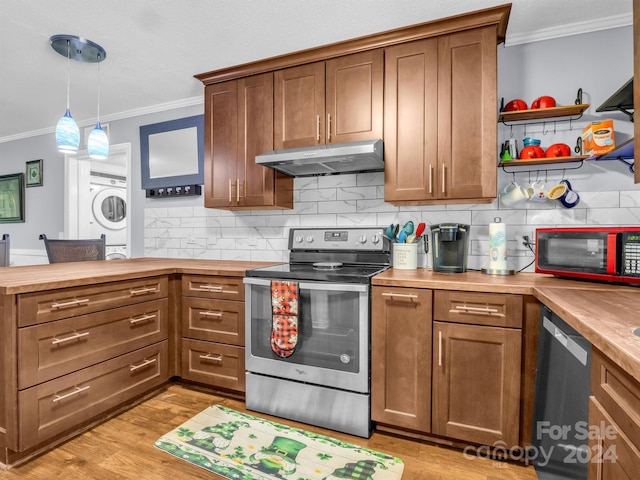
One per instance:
(333,334)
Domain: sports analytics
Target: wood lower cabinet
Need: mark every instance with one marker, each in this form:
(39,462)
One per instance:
(613,456)
(614,421)
(401,357)
(239,126)
(439,119)
(477,350)
(213,331)
(448,367)
(476,383)
(84,351)
(336,101)
(51,408)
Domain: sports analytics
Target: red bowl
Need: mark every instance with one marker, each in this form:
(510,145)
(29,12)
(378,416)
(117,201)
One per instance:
(532,152)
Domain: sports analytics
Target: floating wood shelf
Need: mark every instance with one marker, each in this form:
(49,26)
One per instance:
(542,161)
(544,114)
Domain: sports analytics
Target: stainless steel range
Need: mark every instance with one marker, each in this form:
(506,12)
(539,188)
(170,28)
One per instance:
(307,328)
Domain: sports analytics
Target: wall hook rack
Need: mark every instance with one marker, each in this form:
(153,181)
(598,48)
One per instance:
(543,168)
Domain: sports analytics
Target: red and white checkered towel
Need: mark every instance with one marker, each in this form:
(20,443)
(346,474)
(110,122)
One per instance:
(284,309)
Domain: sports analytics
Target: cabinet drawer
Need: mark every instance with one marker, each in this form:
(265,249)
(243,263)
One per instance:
(40,307)
(214,320)
(62,404)
(213,364)
(618,393)
(492,309)
(206,286)
(54,349)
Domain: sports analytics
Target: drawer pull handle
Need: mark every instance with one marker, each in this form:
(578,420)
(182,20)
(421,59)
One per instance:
(73,303)
(464,308)
(143,291)
(75,336)
(143,364)
(211,314)
(144,318)
(210,288)
(76,391)
(400,295)
(208,356)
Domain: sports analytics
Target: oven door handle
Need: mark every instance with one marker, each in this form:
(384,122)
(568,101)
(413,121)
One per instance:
(322,286)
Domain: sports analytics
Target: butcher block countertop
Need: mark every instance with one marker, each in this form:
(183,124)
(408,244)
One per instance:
(604,314)
(34,278)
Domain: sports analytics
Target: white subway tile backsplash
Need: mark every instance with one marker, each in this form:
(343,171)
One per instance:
(614,216)
(629,198)
(339,206)
(358,200)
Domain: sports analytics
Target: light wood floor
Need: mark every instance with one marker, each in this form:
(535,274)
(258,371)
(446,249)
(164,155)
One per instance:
(122,448)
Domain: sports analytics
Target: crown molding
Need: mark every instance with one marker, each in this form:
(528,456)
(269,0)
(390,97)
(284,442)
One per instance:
(614,21)
(162,107)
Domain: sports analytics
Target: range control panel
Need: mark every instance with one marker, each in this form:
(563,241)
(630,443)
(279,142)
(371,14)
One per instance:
(339,239)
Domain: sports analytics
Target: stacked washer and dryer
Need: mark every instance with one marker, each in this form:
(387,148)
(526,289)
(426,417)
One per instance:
(109,212)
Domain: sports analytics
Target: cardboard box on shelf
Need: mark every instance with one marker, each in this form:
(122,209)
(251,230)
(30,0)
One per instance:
(598,138)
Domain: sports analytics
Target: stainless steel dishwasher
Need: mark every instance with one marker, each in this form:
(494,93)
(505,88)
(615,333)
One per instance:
(560,429)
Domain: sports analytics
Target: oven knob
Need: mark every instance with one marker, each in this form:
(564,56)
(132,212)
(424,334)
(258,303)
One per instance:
(362,239)
(299,238)
(310,239)
(375,239)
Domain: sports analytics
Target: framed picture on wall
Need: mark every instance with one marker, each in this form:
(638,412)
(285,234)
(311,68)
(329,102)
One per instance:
(34,173)
(12,198)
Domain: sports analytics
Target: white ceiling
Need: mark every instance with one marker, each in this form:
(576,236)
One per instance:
(154,47)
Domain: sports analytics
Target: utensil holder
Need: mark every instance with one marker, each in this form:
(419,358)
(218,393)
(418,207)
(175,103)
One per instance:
(405,256)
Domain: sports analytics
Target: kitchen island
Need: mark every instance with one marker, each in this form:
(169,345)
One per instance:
(156,295)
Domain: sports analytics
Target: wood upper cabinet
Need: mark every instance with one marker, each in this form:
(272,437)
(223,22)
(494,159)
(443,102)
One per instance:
(401,357)
(439,119)
(336,101)
(239,126)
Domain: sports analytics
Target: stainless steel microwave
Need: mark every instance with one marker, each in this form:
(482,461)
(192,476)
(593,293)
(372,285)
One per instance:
(610,254)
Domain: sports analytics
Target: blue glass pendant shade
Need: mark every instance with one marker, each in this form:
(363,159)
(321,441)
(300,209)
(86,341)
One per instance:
(67,134)
(98,143)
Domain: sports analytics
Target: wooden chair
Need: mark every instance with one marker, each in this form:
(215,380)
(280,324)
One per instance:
(60,251)
(4,250)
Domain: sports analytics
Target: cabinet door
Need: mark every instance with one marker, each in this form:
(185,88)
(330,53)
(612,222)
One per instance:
(476,383)
(255,184)
(221,143)
(411,121)
(613,455)
(401,357)
(467,99)
(299,106)
(354,89)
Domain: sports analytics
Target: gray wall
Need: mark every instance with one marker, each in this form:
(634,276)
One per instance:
(184,228)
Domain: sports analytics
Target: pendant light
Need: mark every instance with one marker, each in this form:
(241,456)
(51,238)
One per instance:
(98,142)
(67,131)
(81,50)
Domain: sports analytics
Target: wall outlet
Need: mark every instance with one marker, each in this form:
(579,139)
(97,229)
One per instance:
(523,238)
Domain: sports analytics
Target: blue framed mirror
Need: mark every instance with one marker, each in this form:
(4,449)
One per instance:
(172,153)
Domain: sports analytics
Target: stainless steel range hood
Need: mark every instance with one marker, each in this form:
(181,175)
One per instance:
(353,157)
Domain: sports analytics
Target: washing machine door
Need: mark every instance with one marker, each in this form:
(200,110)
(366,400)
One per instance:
(110,208)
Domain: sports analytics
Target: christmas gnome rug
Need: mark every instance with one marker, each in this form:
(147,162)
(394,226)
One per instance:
(239,446)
